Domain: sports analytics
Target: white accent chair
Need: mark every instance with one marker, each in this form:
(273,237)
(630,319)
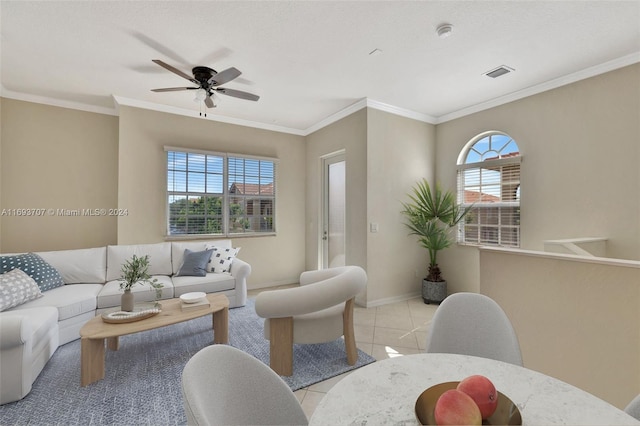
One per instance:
(633,408)
(222,385)
(473,324)
(319,310)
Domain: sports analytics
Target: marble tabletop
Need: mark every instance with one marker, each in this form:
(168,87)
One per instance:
(385,392)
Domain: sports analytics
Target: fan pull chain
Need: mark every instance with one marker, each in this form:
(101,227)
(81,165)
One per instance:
(205,112)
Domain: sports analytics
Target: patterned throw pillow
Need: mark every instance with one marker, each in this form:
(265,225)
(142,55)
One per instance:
(16,288)
(221,258)
(45,275)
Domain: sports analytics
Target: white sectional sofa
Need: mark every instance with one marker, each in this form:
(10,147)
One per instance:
(31,332)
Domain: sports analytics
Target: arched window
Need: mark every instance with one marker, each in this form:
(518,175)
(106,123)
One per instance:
(489,178)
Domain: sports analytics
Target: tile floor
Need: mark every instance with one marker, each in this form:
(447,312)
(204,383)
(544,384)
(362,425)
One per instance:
(383,332)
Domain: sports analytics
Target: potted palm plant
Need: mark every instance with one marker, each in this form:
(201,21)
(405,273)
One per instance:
(136,270)
(431,215)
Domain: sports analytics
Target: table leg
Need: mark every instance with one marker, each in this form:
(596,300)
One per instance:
(221,326)
(91,360)
(113,343)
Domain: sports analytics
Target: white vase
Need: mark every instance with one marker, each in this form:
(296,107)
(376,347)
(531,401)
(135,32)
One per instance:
(126,301)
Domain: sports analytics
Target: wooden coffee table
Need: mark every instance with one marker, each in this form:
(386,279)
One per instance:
(94,333)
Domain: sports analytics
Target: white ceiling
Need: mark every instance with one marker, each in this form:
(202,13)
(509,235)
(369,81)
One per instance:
(309,60)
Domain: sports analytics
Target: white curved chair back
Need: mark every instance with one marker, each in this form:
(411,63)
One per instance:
(319,310)
(222,385)
(473,324)
(318,290)
(633,409)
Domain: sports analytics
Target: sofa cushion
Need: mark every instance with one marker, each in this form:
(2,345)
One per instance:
(79,266)
(159,258)
(16,288)
(111,294)
(195,263)
(70,300)
(221,258)
(178,248)
(211,283)
(36,267)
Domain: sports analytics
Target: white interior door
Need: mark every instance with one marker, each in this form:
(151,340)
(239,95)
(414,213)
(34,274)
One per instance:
(333,207)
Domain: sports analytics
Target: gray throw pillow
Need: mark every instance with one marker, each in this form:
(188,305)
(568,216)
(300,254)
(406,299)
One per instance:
(195,263)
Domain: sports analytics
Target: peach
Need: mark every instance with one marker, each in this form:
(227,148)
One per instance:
(454,407)
(483,393)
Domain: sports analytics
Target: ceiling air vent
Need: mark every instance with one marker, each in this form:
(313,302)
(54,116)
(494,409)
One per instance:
(497,72)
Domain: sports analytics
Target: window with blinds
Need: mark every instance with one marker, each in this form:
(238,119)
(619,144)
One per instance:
(219,194)
(489,179)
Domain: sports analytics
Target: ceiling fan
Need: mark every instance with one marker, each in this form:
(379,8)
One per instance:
(208,81)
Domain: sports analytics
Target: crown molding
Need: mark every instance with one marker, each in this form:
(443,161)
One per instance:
(362,103)
(543,87)
(369,103)
(120,100)
(10,94)
(402,112)
(358,105)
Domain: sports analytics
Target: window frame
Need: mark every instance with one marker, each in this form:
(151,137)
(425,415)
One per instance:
(225,195)
(479,206)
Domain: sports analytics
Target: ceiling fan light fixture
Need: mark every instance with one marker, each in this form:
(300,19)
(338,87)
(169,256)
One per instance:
(201,95)
(207,80)
(444,30)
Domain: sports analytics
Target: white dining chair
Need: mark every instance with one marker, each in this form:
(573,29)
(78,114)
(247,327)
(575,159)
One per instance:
(473,324)
(222,385)
(633,408)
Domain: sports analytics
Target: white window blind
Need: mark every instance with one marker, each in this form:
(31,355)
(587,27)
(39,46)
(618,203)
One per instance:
(219,194)
(489,179)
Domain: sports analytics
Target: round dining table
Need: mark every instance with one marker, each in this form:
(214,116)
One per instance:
(385,393)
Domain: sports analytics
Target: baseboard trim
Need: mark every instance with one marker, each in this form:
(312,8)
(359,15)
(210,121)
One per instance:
(261,286)
(394,299)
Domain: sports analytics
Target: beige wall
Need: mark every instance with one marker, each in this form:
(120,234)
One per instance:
(142,185)
(57,158)
(580,178)
(348,134)
(385,155)
(576,319)
(400,151)
(580,174)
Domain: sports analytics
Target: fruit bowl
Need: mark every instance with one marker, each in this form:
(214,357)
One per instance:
(507,412)
(193,297)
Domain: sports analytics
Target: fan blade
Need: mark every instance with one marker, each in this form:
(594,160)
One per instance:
(224,76)
(238,94)
(174,89)
(160,48)
(175,70)
(209,102)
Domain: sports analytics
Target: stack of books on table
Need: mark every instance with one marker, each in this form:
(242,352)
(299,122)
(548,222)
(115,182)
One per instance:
(196,305)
